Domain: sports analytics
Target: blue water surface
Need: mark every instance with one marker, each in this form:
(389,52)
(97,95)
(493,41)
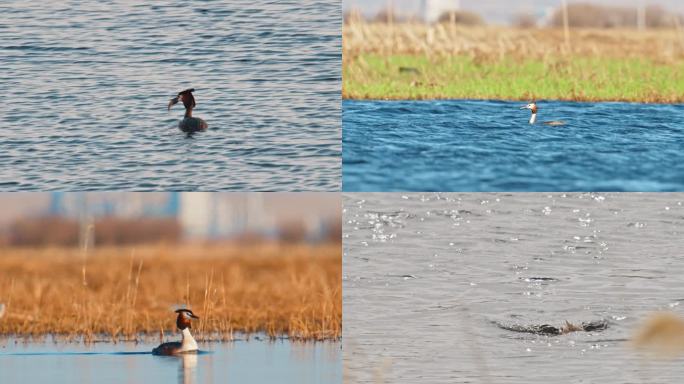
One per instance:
(476,145)
(240,361)
(85,87)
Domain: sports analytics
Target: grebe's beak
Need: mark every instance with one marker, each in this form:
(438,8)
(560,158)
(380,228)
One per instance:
(172,102)
(523,107)
(193,316)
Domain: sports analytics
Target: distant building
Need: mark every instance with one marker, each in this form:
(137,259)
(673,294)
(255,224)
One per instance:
(129,205)
(213,215)
(432,9)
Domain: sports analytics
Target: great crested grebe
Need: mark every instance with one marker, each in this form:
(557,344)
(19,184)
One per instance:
(550,330)
(533,108)
(189,124)
(187,343)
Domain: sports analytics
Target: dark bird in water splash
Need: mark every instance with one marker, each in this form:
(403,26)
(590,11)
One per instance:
(550,330)
(189,124)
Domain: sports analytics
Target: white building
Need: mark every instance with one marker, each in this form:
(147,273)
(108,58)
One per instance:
(432,9)
(204,214)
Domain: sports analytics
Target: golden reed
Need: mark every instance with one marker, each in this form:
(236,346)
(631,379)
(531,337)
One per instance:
(127,293)
(493,43)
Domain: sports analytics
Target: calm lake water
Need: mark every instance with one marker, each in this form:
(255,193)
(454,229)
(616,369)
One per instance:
(86,86)
(426,277)
(467,145)
(251,361)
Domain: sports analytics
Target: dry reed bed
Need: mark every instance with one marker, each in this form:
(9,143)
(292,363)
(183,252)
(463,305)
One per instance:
(281,290)
(663,46)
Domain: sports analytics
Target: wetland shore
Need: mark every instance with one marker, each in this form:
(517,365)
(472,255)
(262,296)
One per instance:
(443,61)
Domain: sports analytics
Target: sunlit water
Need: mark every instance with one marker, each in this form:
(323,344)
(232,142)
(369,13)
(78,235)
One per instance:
(468,145)
(85,87)
(426,277)
(254,361)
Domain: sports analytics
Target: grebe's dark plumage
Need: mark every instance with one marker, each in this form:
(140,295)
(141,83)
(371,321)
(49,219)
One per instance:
(189,124)
(187,344)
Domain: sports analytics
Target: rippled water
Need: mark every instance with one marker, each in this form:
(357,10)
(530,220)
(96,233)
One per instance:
(86,86)
(426,276)
(251,361)
(466,145)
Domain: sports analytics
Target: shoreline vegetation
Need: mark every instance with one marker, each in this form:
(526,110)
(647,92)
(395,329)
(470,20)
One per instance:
(129,293)
(415,61)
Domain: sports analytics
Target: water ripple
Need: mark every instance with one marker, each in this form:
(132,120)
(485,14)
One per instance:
(472,145)
(86,87)
(426,276)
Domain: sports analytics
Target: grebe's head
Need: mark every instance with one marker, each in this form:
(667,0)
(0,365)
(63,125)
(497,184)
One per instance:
(531,106)
(184,318)
(185,97)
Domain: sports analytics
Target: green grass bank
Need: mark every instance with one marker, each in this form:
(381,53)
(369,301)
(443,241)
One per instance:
(580,78)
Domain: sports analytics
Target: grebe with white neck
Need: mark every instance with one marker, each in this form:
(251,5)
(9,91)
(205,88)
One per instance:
(187,343)
(533,118)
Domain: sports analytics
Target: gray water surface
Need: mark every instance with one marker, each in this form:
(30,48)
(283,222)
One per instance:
(254,361)
(85,87)
(427,276)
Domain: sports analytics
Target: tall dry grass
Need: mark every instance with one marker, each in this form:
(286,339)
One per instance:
(127,293)
(494,43)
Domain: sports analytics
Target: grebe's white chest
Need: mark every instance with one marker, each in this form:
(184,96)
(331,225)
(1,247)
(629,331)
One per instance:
(188,343)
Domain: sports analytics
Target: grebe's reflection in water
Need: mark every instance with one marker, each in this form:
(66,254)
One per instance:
(239,361)
(187,370)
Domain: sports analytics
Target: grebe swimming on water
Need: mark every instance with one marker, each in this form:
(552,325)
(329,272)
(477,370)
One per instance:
(187,343)
(189,124)
(533,108)
(550,330)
